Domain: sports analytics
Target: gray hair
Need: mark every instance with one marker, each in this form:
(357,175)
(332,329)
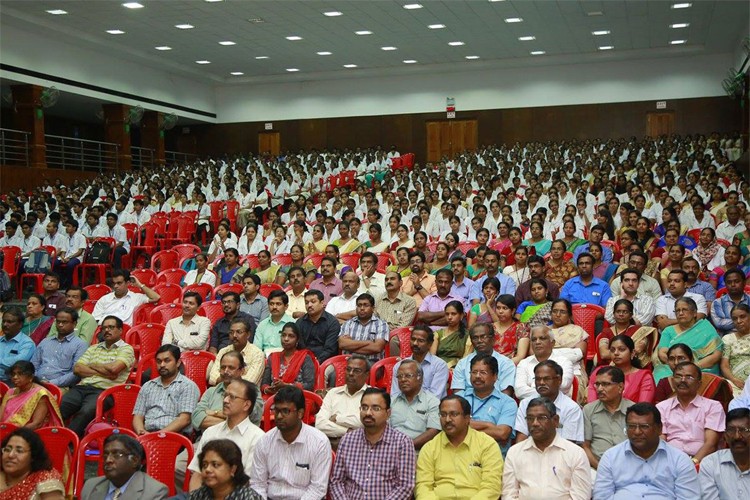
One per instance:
(420,372)
(545,329)
(359,357)
(546,403)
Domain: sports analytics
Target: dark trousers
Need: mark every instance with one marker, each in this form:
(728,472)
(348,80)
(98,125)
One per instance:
(117,258)
(80,403)
(66,271)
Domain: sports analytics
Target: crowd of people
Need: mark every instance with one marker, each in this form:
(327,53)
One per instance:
(469,274)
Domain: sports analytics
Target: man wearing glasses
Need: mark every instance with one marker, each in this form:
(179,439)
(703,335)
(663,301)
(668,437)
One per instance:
(340,411)
(724,474)
(692,423)
(483,340)
(644,465)
(414,411)
(230,304)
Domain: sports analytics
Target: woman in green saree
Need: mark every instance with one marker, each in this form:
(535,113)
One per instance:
(452,342)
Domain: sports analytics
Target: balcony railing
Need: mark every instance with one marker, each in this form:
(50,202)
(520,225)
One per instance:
(14,147)
(80,154)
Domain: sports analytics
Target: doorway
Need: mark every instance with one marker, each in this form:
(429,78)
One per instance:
(658,124)
(269,142)
(448,137)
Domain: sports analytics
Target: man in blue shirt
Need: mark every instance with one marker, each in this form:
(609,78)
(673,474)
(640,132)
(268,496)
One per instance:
(724,473)
(585,288)
(14,345)
(644,466)
(483,339)
(435,370)
(721,308)
(55,357)
(491,263)
(596,235)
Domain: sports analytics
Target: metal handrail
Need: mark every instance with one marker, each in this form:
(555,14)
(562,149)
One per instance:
(14,147)
(141,157)
(176,156)
(81,154)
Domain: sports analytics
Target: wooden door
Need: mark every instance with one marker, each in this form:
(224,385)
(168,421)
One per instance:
(659,124)
(448,137)
(269,142)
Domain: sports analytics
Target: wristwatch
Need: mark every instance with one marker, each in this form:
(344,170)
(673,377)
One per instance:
(418,288)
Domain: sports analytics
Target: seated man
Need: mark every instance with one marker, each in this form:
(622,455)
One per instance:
(721,308)
(542,343)
(303,469)
(586,288)
(121,302)
(328,284)
(340,410)
(319,329)
(190,331)
(102,366)
(230,304)
(240,396)
(419,284)
(209,410)
(240,332)
(371,281)
(692,423)
(435,370)
(414,411)
(676,289)
(460,462)
(296,295)
(55,357)
(492,412)
(596,235)
(604,419)
(537,269)
(364,334)
(268,334)
(483,339)
(527,465)
(120,235)
(75,298)
(251,301)
(644,307)
(166,403)
(14,345)
(344,306)
(432,310)
(394,306)
(644,466)
(723,474)
(548,376)
(648,285)
(72,253)
(52,294)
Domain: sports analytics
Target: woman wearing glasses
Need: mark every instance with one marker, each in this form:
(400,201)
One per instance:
(26,470)
(639,383)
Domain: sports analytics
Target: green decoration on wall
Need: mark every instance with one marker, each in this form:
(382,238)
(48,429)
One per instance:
(127,128)
(161,134)
(39,113)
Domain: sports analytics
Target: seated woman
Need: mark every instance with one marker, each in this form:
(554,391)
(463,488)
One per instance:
(441,259)
(602,270)
(230,270)
(29,404)
(538,310)
(742,240)
(732,260)
(452,240)
(639,383)
(375,244)
(345,242)
(515,235)
(318,244)
(672,259)
(452,342)
(223,474)
(268,271)
(220,242)
(644,336)
(298,234)
(36,325)
(570,239)
(333,252)
(201,273)
(502,239)
(402,240)
(511,337)
(402,262)
(735,363)
(420,244)
(476,268)
(712,386)
(293,365)
(251,243)
(518,270)
(26,471)
(570,338)
(279,244)
(646,237)
(558,270)
(540,243)
(668,214)
(700,336)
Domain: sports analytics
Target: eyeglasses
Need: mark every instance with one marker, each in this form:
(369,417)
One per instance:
(451,414)
(406,376)
(603,384)
(374,409)
(641,427)
(741,431)
(355,371)
(115,454)
(18,450)
(542,419)
(480,336)
(688,378)
(481,373)
(232,397)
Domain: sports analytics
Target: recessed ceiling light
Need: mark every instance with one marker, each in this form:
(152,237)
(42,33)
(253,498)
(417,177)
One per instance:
(679,25)
(132,5)
(292,70)
(455,44)
(236,73)
(363,32)
(184,26)
(163,47)
(527,38)
(333,13)
(595,13)
(410,61)
(677,42)
(683,5)
(227,43)
(493,1)
(388,48)
(294,38)
(413,6)
(115,32)
(261,57)
(350,66)
(324,53)
(513,19)
(600,32)
(213,1)
(538,53)
(202,61)
(606,47)
(57,12)
(256,20)
(471,58)
(436,26)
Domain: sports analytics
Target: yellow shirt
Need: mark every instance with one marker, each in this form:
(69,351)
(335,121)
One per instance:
(474,469)
(99,354)
(255,363)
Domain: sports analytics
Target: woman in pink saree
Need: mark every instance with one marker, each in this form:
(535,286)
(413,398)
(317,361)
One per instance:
(29,404)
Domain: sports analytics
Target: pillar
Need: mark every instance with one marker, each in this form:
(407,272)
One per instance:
(117,131)
(29,117)
(152,136)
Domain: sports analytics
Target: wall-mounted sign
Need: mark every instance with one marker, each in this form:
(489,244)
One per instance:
(269,126)
(661,104)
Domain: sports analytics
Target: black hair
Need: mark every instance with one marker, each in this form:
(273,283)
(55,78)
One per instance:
(229,453)
(39,457)
(194,295)
(487,359)
(290,394)
(643,409)
(465,406)
(550,364)
(616,374)
(381,392)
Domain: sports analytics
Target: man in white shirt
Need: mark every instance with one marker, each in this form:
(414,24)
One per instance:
(11,238)
(344,307)
(189,332)
(122,302)
(116,231)
(71,254)
(340,410)
(676,288)
(730,227)
(54,238)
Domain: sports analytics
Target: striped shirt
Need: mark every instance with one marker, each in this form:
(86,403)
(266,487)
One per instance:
(160,405)
(383,470)
(375,329)
(99,353)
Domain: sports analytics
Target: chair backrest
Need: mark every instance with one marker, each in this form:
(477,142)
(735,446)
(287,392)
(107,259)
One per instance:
(315,258)
(339,365)
(381,373)
(142,313)
(283,259)
(90,449)
(170,293)
(350,259)
(165,259)
(164,312)
(62,445)
(3,389)
(404,340)
(384,260)
(98,291)
(313,402)
(162,449)
(196,367)
(250,260)
(212,310)
(145,338)
(89,306)
(585,316)
(172,275)
(227,287)
(145,276)
(267,288)
(186,250)
(54,390)
(11,260)
(124,396)
(6,428)
(204,290)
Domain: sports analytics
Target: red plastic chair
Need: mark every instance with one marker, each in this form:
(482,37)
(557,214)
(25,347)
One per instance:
(574,388)
(404,340)
(339,365)
(313,403)
(169,293)
(172,275)
(196,367)
(145,276)
(465,246)
(694,234)
(251,261)
(100,269)
(3,389)
(217,207)
(164,312)
(124,396)
(6,428)
(227,287)
(11,261)
(724,243)
(54,390)
(146,242)
(384,260)
(143,365)
(90,450)
(185,230)
(89,306)
(165,259)
(204,290)
(283,259)
(186,250)
(212,310)
(267,288)
(315,258)
(350,259)
(98,291)
(233,208)
(145,338)
(38,278)
(62,445)
(162,449)
(142,313)
(381,373)
(585,316)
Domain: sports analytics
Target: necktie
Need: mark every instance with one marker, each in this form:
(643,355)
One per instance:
(116,494)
